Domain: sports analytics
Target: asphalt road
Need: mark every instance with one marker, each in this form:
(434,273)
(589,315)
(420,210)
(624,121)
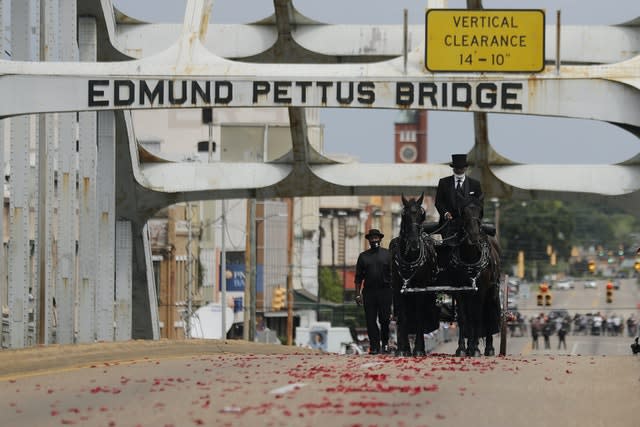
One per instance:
(594,382)
(244,384)
(626,300)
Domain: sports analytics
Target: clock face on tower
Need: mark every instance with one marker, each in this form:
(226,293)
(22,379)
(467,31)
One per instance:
(408,153)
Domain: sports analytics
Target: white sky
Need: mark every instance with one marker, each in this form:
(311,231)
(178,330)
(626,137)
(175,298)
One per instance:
(368,134)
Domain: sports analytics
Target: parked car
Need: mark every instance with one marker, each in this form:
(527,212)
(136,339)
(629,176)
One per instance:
(514,287)
(564,285)
(559,312)
(590,284)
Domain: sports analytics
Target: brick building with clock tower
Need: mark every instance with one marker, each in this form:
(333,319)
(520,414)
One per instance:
(411,137)
(410,146)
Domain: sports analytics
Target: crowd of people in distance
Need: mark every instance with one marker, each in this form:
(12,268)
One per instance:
(580,324)
(601,324)
(546,326)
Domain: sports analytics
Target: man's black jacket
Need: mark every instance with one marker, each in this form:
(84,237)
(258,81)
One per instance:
(447,199)
(374,267)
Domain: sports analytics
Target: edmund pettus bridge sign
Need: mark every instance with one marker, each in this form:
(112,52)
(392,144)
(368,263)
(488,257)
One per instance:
(484,40)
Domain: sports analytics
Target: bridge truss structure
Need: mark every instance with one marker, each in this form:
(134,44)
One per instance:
(75,70)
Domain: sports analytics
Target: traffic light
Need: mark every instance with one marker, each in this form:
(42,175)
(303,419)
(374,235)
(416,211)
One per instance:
(637,266)
(592,267)
(520,272)
(609,292)
(544,298)
(278,298)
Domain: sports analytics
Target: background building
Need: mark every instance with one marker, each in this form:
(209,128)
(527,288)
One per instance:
(248,135)
(411,136)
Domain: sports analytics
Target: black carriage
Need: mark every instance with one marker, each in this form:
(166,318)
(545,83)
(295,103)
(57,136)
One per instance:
(465,265)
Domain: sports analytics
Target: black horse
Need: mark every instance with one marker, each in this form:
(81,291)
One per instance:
(475,261)
(413,266)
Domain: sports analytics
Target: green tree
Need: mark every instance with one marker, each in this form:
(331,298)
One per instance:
(603,226)
(533,226)
(331,287)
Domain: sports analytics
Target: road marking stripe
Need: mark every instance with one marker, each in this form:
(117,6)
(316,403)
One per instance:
(574,349)
(92,365)
(287,388)
(371,364)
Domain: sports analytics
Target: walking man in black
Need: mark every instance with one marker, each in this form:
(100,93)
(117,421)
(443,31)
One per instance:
(373,288)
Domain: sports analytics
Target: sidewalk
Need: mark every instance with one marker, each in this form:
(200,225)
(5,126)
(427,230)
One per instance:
(34,359)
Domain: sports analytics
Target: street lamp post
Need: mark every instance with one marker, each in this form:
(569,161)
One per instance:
(496,216)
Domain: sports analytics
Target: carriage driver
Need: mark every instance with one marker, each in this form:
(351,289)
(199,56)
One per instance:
(452,191)
(454,188)
(374,269)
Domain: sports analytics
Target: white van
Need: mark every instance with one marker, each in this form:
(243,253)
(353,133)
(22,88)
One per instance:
(324,337)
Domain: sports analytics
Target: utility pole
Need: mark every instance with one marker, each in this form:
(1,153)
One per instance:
(223,273)
(189,218)
(249,325)
(290,275)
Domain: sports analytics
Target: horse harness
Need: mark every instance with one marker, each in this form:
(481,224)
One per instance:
(405,267)
(472,269)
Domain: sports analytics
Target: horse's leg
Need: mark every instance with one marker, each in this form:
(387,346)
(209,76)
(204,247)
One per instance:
(461,350)
(488,312)
(473,349)
(492,316)
(488,348)
(472,338)
(475,318)
(403,338)
(418,310)
(403,329)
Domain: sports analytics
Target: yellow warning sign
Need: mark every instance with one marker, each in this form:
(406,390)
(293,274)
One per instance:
(484,40)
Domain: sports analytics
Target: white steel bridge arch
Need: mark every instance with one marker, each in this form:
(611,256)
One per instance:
(305,78)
